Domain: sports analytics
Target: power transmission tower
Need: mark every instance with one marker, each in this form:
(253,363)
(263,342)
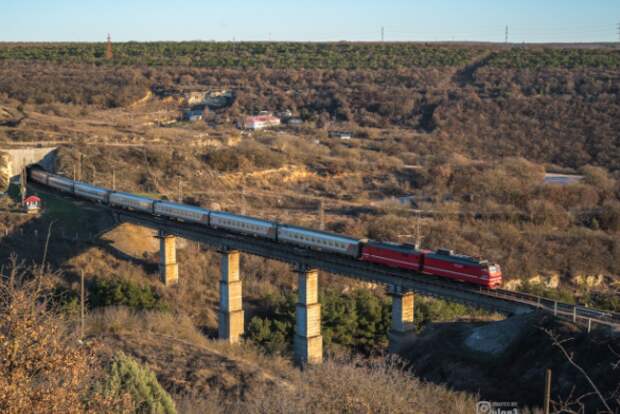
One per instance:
(382,33)
(506,35)
(108,52)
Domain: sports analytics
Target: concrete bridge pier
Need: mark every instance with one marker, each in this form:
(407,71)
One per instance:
(168,266)
(308,346)
(230,323)
(402,329)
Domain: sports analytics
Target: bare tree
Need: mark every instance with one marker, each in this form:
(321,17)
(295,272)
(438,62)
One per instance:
(572,401)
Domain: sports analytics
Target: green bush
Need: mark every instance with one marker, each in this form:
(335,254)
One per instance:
(359,321)
(437,310)
(124,292)
(129,377)
(275,329)
(560,294)
(67,300)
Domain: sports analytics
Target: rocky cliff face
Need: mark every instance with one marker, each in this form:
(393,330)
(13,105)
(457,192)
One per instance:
(5,171)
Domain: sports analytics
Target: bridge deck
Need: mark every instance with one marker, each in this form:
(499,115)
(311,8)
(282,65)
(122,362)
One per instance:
(500,300)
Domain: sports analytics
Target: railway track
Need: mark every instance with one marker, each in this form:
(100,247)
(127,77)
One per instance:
(505,301)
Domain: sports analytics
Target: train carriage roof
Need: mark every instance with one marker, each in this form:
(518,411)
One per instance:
(320,232)
(240,217)
(182,206)
(130,196)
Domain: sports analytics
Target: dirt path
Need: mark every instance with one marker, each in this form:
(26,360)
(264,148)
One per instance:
(455,79)
(465,75)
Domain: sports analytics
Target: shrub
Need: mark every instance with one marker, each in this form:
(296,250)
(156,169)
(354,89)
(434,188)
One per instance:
(124,292)
(274,332)
(387,227)
(243,157)
(128,376)
(359,321)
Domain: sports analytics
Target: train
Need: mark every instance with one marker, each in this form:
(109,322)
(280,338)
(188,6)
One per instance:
(439,263)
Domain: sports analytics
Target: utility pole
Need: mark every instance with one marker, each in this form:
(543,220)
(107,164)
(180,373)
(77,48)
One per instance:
(79,171)
(547,391)
(506,35)
(618,32)
(382,33)
(113,180)
(82,301)
(23,185)
(321,215)
(243,201)
(418,231)
(180,191)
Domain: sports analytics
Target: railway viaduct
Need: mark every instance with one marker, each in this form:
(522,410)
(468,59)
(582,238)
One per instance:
(308,342)
(402,285)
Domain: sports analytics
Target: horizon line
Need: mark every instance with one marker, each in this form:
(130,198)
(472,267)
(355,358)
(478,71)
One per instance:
(498,43)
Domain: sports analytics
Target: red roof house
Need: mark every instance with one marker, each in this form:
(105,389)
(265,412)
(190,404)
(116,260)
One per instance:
(33,204)
(260,121)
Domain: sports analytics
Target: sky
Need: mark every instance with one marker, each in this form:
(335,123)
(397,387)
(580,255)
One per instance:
(318,20)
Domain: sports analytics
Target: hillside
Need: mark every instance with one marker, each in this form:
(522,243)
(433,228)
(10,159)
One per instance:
(451,146)
(490,357)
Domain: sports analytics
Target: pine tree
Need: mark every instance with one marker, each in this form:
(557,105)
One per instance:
(128,376)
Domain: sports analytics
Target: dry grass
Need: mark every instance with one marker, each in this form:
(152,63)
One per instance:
(212,376)
(341,387)
(133,240)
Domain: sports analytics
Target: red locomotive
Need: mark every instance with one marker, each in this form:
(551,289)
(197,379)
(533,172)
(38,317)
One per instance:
(444,263)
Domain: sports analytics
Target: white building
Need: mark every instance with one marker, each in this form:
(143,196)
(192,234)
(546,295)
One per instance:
(260,121)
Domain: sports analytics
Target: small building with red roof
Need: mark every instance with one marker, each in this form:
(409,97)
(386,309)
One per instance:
(260,121)
(32,204)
